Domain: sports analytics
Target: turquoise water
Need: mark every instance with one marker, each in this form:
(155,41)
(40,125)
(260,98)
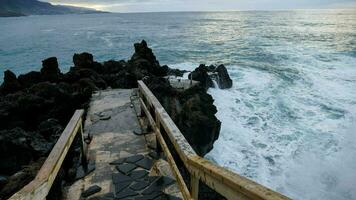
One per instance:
(288,122)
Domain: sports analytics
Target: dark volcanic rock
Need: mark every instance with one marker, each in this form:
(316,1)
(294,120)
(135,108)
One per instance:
(76,74)
(36,106)
(10,84)
(201,74)
(144,63)
(192,110)
(18,148)
(84,60)
(20,179)
(173,72)
(113,67)
(29,79)
(50,128)
(224,80)
(197,120)
(50,71)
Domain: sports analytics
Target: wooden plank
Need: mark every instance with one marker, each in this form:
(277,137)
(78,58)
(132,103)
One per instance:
(194,185)
(183,187)
(230,184)
(147,113)
(40,186)
(223,181)
(176,137)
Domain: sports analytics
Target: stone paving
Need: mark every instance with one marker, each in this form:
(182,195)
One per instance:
(125,168)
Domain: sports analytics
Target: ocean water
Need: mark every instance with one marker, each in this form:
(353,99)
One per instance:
(289,122)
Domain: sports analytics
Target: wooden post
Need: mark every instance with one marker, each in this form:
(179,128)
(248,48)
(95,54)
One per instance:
(159,149)
(142,113)
(82,149)
(194,184)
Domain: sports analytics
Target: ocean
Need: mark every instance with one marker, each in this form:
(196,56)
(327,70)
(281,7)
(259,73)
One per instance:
(288,122)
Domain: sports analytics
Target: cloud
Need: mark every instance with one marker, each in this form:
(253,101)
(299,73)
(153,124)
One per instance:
(203,5)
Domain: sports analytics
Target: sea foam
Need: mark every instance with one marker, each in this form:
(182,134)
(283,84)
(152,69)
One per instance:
(296,138)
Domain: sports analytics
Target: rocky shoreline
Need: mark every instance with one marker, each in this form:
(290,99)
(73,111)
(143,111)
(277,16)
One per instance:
(35,107)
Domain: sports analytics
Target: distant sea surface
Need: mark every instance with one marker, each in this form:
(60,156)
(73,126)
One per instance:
(289,122)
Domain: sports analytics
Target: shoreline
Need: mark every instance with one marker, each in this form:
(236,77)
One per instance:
(34,106)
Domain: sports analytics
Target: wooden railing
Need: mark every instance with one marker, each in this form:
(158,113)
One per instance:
(39,188)
(223,181)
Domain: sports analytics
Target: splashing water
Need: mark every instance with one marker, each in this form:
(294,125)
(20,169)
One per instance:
(294,138)
(289,120)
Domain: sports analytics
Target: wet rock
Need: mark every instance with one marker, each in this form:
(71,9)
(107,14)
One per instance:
(224,80)
(201,74)
(91,190)
(50,71)
(10,84)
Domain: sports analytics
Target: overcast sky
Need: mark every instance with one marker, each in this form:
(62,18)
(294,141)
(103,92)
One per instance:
(204,5)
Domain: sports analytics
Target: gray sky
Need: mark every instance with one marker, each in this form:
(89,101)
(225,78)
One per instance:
(204,5)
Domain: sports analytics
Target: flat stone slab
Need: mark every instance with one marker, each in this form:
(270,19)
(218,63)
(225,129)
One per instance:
(81,173)
(121,186)
(126,168)
(140,185)
(122,158)
(138,174)
(118,177)
(145,163)
(153,195)
(118,161)
(126,193)
(134,159)
(91,190)
(158,185)
(107,196)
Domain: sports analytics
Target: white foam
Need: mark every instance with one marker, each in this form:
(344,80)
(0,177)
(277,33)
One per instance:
(293,139)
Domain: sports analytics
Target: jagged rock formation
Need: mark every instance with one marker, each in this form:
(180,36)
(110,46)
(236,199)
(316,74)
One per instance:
(206,74)
(34,107)
(192,110)
(224,80)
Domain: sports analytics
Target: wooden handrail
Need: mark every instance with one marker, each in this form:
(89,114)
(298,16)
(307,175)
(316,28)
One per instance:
(38,188)
(225,182)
